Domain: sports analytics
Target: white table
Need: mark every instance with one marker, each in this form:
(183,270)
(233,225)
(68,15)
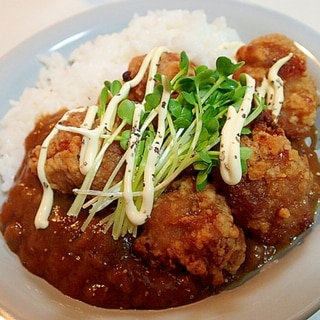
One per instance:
(20,19)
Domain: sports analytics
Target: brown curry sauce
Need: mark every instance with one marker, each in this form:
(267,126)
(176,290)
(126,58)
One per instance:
(91,266)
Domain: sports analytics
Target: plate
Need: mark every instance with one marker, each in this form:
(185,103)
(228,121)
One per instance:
(287,288)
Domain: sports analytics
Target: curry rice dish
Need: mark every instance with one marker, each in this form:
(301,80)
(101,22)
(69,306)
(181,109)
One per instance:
(208,223)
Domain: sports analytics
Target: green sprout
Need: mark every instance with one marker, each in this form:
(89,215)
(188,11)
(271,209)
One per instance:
(197,110)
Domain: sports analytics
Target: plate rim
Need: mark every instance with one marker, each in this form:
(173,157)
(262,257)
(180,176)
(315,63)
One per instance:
(8,57)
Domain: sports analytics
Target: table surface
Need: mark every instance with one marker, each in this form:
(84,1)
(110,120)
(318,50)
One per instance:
(20,19)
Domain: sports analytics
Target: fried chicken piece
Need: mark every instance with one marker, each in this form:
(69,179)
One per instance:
(168,66)
(62,165)
(193,230)
(273,201)
(299,109)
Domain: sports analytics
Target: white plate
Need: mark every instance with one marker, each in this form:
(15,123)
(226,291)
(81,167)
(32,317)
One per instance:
(285,289)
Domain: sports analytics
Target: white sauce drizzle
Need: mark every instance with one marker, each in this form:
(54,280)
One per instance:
(272,87)
(89,147)
(230,162)
(91,140)
(44,210)
(138,217)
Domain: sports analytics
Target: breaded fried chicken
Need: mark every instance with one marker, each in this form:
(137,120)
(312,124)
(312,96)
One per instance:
(299,109)
(273,199)
(62,164)
(193,230)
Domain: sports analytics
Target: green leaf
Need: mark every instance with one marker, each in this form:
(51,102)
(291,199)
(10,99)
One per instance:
(229,84)
(189,97)
(260,106)
(245,131)
(245,153)
(182,115)
(201,180)
(184,65)
(140,151)
(238,94)
(215,98)
(153,99)
(204,156)
(126,110)
(115,87)
(175,108)
(210,122)
(107,84)
(226,67)
(182,122)
(157,77)
(103,99)
(187,113)
(204,78)
(203,137)
(124,138)
(200,165)
(185,84)
(184,62)
(243,79)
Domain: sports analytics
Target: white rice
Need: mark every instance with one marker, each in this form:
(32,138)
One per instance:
(62,83)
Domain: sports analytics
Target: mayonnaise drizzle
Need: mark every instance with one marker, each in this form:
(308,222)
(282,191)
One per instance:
(90,142)
(272,87)
(93,149)
(230,162)
(44,210)
(91,137)
(138,217)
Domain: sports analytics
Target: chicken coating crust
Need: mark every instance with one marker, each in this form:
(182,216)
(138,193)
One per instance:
(62,164)
(193,230)
(273,201)
(301,100)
